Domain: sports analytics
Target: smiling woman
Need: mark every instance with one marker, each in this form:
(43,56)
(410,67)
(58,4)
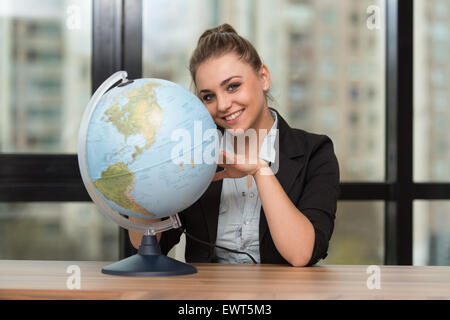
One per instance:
(278,203)
(231,80)
(238,102)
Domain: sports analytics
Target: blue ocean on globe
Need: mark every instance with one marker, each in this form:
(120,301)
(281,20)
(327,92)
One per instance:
(130,148)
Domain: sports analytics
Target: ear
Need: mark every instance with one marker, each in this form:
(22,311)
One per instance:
(264,76)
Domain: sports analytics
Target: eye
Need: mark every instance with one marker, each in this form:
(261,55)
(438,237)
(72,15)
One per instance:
(207,97)
(233,86)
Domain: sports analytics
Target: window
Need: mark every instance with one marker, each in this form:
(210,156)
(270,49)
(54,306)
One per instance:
(45,80)
(431,233)
(56,231)
(312,64)
(321,81)
(45,84)
(431,106)
(431,143)
(357,239)
(394,160)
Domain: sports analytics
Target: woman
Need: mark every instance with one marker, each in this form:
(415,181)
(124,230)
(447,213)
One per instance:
(274,201)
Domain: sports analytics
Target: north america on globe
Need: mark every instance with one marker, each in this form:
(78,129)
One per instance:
(140,115)
(129,148)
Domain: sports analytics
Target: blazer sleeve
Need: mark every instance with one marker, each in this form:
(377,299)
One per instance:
(318,201)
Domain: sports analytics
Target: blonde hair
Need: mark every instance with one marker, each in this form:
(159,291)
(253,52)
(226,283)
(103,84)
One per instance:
(218,41)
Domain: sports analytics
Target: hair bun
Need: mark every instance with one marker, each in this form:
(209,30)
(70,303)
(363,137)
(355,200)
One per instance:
(220,40)
(223,28)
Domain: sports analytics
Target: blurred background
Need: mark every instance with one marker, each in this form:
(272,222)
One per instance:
(328,68)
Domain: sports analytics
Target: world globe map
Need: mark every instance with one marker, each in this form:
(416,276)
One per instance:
(130,145)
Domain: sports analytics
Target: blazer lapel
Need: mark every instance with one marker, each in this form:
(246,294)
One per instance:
(210,203)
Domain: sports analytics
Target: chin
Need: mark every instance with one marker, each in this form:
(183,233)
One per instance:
(236,127)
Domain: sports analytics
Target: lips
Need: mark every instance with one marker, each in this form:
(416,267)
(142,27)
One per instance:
(234,117)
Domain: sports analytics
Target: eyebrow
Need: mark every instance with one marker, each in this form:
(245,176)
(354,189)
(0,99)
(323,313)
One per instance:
(224,82)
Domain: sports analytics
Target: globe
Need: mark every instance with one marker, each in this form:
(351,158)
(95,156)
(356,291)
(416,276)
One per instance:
(147,149)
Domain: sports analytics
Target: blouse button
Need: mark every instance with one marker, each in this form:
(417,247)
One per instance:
(251,195)
(243,194)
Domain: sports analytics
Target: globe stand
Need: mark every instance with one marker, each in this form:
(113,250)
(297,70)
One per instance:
(149,262)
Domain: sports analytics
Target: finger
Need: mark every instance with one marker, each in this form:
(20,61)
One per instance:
(220,175)
(223,165)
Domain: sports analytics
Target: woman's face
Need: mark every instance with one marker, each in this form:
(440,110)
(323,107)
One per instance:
(233,92)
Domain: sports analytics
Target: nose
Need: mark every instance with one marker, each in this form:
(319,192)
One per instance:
(223,103)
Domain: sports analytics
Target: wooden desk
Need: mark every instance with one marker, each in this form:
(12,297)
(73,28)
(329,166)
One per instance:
(47,280)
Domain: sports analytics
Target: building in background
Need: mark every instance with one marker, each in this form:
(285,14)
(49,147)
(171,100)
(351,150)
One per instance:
(327,66)
(431,133)
(45,84)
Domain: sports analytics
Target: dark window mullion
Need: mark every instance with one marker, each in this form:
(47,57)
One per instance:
(107,40)
(432,191)
(359,191)
(132,63)
(399,131)
(40,178)
(132,38)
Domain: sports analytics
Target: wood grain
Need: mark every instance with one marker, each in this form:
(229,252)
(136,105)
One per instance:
(25,279)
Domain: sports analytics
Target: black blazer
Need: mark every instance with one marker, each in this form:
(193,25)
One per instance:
(309,174)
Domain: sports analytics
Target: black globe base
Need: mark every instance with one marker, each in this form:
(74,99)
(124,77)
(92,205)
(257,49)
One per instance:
(148,262)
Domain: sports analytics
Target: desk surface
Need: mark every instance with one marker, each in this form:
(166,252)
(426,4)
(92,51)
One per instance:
(24,279)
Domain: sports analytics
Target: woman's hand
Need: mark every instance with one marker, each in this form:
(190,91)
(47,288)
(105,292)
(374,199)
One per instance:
(238,166)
